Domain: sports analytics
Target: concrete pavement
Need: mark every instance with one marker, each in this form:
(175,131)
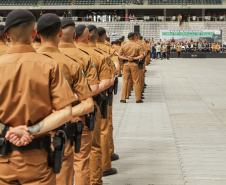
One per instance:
(178,135)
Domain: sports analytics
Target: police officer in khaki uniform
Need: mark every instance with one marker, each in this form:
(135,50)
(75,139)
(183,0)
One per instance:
(3,46)
(107,128)
(131,53)
(110,144)
(178,49)
(66,46)
(117,46)
(37,88)
(50,32)
(96,152)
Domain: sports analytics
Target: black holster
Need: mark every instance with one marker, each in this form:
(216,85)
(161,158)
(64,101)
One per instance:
(104,105)
(4,144)
(78,138)
(110,94)
(141,63)
(116,86)
(59,142)
(91,119)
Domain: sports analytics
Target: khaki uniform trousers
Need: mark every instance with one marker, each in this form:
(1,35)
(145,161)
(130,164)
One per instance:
(26,168)
(96,171)
(119,72)
(82,159)
(110,123)
(65,177)
(131,68)
(147,60)
(130,86)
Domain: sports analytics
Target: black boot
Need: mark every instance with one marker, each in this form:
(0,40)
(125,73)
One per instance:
(123,101)
(139,101)
(112,171)
(114,157)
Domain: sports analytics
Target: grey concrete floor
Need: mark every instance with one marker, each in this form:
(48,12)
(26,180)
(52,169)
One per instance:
(178,135)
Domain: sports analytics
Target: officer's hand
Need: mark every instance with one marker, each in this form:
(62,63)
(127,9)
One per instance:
(130,59)
(19,136)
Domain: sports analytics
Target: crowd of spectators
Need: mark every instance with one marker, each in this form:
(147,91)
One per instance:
(160,48)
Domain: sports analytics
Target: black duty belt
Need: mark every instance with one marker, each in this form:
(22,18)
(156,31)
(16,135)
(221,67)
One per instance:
(135,61)
(41,143)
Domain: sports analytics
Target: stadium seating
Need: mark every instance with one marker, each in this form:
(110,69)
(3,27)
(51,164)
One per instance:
(18,2)
(57,2)
(181,2)
(133,2)
(111,2)
(84,2)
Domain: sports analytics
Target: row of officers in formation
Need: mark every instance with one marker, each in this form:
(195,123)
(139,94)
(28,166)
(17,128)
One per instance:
(56,93)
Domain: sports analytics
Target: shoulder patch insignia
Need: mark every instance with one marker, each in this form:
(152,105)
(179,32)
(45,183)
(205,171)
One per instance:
(93,64)
(64,76)
(83,73)
(111,59)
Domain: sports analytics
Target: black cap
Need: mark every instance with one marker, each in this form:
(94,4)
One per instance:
(131,34)
(80,29)
(67,22)
(47,20)
(2,27)
(101,31)
(91,27)
(18,17)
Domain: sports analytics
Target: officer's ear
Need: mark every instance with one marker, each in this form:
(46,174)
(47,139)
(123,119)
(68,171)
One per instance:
(7,35)
(34,33)
(61,33)
(106,37)
(89,36)
(38,35)
(97,37)
(74,36)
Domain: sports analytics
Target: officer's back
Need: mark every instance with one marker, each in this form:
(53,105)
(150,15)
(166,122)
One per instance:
(32,86)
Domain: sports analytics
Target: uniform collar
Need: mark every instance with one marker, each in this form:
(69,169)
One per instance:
(81,44)
(20,49)
(92,44)
(66,45)
(100,42)
(48,49)
(2,43)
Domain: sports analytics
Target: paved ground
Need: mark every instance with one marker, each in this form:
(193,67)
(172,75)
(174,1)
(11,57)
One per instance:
(178,136)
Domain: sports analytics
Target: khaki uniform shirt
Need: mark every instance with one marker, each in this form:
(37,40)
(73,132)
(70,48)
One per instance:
(163,49)
(152,41)
(217,47)
(71,71)
(107,57)
(131,49)
(108,43)
(36,45)
(179,47)
(117,47)
(32,85)
(110,51)
(3,48)
(84,61)
(124,42)
(98,59)
(139,42)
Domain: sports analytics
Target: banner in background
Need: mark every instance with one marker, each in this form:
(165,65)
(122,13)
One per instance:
(195,35)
